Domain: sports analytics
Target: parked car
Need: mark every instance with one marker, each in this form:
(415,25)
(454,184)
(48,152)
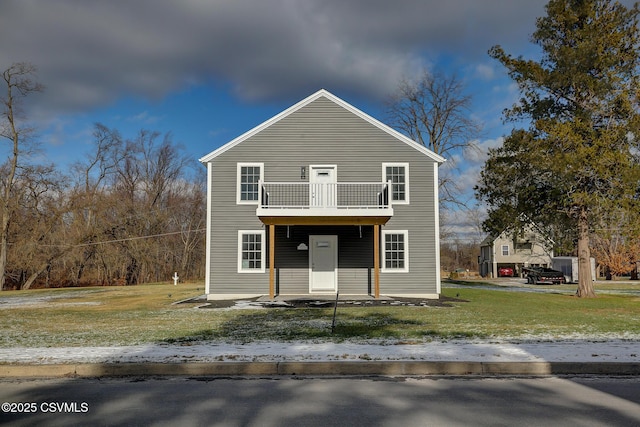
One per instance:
(505,272)
(538,275)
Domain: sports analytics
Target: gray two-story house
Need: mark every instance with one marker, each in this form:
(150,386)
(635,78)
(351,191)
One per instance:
(322,199)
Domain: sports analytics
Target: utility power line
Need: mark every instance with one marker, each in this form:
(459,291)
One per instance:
(126,239)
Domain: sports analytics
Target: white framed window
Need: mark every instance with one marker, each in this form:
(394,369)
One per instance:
(395,251)
(247,182)
(398,174)
(505,250)
(251,251)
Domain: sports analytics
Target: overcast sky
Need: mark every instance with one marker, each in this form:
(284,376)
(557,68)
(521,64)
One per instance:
(92,52)
(210,70)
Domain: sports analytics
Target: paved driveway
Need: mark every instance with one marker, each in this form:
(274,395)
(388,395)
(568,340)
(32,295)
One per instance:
(516,284)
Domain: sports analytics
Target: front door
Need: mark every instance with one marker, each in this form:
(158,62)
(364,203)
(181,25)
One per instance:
(323,264)
(322,186)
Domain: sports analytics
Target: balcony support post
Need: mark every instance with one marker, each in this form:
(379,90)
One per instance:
(376,261)
(272,259)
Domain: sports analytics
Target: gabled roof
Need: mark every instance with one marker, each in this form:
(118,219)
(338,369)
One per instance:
(526,222)
(326,94)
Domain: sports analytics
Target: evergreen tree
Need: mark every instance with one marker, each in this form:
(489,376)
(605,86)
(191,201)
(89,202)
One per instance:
(579,157)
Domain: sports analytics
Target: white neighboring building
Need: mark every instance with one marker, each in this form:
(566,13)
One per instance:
(515,251)
(569,267)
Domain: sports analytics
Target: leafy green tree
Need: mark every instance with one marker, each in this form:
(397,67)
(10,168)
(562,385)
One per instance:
(579,157)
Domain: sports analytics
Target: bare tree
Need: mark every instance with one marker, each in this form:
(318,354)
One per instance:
(130,212)
(187,209)
(434,111)
(18,85)
(42,205)
(137,216)
(93,177)
(93,173)
(146,184)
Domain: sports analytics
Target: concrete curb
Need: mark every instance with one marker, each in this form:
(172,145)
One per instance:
(372,368)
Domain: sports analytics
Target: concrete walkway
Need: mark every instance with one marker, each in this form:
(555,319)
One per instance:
(594,357)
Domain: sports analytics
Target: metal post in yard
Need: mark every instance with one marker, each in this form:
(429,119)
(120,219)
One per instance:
(335,309)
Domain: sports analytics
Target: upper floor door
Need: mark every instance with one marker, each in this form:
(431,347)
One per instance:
(322,186)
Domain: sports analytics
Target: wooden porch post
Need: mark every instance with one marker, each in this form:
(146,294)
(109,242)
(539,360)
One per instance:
(376,261)
(272,258)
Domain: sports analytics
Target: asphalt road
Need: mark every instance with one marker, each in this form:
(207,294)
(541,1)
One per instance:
(374,401)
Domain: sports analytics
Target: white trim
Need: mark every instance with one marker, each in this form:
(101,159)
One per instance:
(502,247)
(324,93)
(328,211)
(312,167)
(406,183)
(323,166)
(263,251)
(436,225)
(426,296)
(222,297)
(239,167)
(383,250)
(494,261)
(207,272)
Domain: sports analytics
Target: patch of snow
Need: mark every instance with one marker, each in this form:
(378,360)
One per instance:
(252,305)
(455,350)
(35,301)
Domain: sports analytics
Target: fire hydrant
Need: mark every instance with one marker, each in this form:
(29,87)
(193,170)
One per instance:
(175,278)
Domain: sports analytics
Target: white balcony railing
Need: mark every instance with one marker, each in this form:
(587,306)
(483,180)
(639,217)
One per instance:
(341,198)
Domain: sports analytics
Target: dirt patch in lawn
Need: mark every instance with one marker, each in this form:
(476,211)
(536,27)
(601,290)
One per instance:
(298,302)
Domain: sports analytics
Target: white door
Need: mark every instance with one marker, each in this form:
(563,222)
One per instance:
(322,186)
(323,264)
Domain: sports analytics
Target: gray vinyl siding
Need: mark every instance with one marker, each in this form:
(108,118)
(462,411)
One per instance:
(322,133)
(227,218)
(418,219)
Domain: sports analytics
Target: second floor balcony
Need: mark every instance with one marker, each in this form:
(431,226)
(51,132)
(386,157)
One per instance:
(327,199)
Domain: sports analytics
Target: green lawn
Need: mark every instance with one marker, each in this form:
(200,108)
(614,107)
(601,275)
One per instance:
(109,316)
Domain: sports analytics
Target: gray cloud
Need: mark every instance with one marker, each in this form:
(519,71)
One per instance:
(91,52)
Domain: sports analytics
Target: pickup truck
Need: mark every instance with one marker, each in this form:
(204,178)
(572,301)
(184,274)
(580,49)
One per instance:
(537,275)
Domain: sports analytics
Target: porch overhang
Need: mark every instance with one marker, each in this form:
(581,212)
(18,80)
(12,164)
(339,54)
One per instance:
(324,220)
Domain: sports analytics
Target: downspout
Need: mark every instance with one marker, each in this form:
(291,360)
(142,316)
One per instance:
(207,272)
(436,215)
